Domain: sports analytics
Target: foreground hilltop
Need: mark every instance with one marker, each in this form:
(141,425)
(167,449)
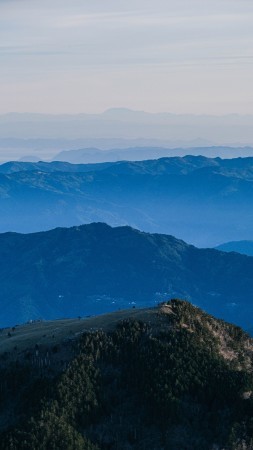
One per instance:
(91,269)
(170,377)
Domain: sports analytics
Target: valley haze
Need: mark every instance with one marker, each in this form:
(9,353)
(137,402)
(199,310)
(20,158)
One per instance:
(42,135)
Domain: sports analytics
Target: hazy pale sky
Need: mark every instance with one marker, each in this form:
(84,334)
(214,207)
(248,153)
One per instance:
(183,56)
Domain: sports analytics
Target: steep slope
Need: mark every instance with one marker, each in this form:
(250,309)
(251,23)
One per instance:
(95,268)
(203,201)
(171,377)
(244,247)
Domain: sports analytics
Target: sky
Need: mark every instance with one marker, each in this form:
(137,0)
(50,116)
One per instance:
(179,56)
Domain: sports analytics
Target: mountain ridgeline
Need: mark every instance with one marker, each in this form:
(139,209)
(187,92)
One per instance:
(91,269)
(146,151)
(244,247)
(201,200)
(170,378)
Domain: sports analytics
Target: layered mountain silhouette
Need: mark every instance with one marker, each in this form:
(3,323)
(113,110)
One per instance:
(201,200)
(95,268)
(144,152)
(204,201)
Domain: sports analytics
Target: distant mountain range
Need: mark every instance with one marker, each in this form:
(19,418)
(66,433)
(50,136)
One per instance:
(100,149)
(93,155)
(201,200)
(13,167)
(43,136)
(84,151)
(244,247)
(124,123)
(95,268)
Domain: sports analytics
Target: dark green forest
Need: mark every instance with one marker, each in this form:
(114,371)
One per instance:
(180,379)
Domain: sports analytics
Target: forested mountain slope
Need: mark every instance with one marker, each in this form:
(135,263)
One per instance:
(95,268)
(168,378)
